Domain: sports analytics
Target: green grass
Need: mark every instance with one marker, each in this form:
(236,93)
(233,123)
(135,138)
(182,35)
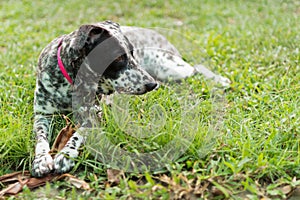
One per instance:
(254,43)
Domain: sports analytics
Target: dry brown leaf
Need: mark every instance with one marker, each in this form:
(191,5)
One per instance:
(32,182)
(157,187)
(165,179)
(113,176)
(286,189)
(12,189)
(200,189)
(37,182)
(63,137)
(78,183)
(186,180)
(19,179)
(15,176)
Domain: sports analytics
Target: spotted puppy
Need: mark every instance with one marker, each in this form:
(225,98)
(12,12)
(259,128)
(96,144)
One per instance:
(97,59)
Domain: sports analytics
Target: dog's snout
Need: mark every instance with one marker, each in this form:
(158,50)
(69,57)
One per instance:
(150,86)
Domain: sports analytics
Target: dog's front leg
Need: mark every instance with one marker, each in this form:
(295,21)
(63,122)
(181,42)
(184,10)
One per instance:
(43,162)
(64,160)
(85,115)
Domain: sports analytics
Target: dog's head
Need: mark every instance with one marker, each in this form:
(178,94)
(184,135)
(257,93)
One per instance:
(110,54)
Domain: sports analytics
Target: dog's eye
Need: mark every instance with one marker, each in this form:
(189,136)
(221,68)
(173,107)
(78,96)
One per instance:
(120,59)
(119,63)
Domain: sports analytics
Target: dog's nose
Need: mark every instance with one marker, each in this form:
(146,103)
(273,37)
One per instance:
(150,86)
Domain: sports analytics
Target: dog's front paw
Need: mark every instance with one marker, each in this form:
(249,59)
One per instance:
(64,160)
(42,165)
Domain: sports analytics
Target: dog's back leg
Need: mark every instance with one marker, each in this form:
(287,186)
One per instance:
(166,66)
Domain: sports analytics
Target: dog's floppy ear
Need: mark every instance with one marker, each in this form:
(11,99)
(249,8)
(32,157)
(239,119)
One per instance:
(90,36)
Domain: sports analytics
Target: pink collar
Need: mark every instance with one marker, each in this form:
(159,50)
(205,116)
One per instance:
(61,65)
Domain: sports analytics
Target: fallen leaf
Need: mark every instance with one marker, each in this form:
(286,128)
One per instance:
(20,179)
(165,179)
(32,182)
(37,182)
(200,189)
(113,176)
(286,189)
(12,189)
(78,183)
(15,176)
(157,187)
(63,137)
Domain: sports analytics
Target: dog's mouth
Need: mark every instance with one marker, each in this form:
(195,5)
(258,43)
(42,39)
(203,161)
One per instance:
(138,91)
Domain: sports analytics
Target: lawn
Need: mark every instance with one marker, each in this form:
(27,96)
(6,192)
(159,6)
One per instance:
(243,141)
